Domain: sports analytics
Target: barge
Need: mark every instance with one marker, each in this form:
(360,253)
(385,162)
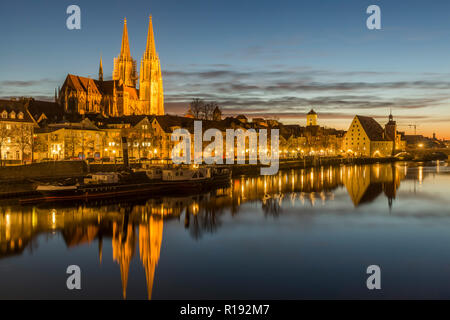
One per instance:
(133,184)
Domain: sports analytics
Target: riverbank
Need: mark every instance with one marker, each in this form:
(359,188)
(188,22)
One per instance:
(20,181)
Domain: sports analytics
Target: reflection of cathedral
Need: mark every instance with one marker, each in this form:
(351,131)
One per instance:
(124,245)
(120,95)
(150,238)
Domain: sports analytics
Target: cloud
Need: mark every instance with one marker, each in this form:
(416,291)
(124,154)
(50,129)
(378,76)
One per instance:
(283,90)
(24,83)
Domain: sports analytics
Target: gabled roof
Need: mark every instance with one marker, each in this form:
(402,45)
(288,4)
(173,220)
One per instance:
(168,122)
(132,120)
(52,111)
(17,106)
(81,83)
(105,87)
(372,128)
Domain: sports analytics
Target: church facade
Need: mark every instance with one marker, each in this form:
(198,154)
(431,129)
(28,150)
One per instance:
(119,96)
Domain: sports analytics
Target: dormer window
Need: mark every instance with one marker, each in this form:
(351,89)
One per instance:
(12,115)
(4,114)
(20,115)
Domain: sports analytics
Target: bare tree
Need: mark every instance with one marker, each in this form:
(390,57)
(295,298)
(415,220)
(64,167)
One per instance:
(197,107)
(71,142)
(4,136)
(208,110)
(24,136)
(40,145)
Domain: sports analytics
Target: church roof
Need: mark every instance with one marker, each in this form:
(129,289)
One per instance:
(372,128)
(81,83)
(105,87)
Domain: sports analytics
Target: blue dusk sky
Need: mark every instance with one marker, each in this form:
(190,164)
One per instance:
(261,58)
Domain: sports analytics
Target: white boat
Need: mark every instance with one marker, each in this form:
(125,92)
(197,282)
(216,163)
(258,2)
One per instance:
(56,189)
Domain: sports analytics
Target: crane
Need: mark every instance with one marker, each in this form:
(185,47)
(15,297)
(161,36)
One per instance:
(410,126)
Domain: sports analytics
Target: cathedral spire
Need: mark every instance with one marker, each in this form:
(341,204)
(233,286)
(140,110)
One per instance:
(124,65)
(150,51)
(125,49)
(100,70)
(150,81)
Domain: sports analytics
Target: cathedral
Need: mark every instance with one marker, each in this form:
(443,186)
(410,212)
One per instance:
(119,96)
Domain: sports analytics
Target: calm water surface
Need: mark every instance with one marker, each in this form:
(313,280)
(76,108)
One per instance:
(300,234)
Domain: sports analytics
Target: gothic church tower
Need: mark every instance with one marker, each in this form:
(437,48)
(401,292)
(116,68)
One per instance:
(124,64)
(150,81)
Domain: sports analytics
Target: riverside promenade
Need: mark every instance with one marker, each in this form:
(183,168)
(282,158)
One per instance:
(20,181)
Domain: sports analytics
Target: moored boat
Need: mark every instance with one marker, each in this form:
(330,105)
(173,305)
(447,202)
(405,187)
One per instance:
(108,185)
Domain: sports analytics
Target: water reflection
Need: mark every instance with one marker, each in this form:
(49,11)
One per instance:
(138,226)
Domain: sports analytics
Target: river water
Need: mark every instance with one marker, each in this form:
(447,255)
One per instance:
(308,233)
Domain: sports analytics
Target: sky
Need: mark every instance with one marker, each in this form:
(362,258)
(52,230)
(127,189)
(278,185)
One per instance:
(273,59)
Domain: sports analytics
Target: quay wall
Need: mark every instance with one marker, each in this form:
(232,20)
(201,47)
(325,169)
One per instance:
(66,169)
(51,169)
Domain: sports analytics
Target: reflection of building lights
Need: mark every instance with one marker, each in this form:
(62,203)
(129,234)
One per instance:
(34,218)
(53,218)
(420,174)
(195,208)
(420,145)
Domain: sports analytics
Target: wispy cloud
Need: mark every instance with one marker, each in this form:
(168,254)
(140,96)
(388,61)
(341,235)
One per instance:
(295,90)
(25,83)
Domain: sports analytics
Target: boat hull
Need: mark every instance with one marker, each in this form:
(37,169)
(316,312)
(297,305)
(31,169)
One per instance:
(127,190)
